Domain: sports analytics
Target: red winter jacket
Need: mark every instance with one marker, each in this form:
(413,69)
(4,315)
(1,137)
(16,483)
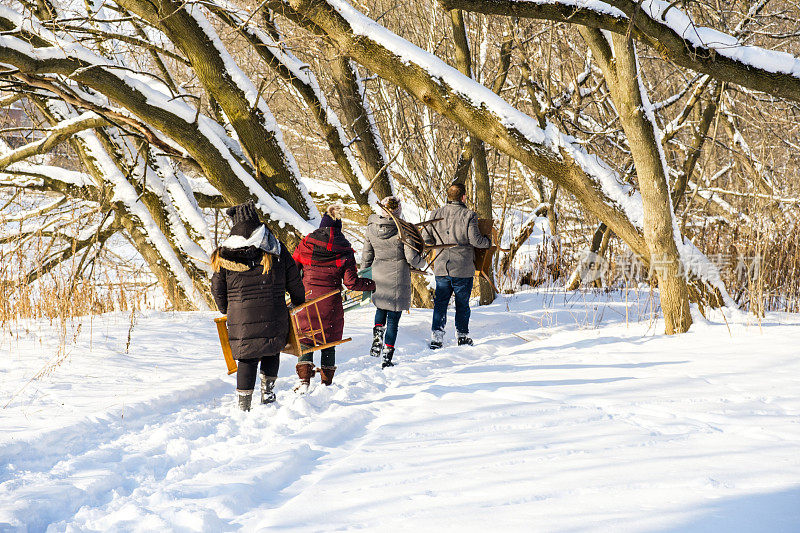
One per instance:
(327,260)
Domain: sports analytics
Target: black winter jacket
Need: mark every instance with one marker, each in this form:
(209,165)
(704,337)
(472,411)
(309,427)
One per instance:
(258,319)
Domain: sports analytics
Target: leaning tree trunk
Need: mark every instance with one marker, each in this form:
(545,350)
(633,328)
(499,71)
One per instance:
(184,286)
(187,28)
(269,46)
(621,71)
(566,163)
(359,115)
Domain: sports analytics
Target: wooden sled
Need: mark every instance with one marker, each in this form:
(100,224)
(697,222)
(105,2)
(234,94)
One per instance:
(354,299)
(410,235)
(303,340)
(300,340)
(485,256)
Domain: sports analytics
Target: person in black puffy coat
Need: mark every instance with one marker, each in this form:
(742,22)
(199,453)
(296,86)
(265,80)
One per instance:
(253,272)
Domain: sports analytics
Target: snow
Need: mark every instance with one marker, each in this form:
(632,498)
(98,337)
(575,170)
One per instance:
(569,414)
(70,177)
(593,5)
(185,204)
(329,188)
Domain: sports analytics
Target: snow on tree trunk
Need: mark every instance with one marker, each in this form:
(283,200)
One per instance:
(359,115)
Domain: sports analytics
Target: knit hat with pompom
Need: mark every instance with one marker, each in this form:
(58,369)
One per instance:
(332,217)
(392,204)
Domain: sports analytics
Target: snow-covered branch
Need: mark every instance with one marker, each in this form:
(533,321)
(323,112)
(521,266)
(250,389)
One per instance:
(178,124)
(302,79)
(188,28)
(667,29)
(55,135)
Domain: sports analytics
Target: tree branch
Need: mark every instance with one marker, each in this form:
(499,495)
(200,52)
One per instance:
(57,135)
(717,59)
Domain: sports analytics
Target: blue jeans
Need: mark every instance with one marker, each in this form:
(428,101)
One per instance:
(390,319)
(445,287)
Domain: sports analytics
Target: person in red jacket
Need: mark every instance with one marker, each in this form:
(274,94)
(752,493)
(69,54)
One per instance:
(327,260)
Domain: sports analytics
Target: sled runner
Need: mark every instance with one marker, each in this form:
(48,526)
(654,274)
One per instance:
(485,256)
(222,331)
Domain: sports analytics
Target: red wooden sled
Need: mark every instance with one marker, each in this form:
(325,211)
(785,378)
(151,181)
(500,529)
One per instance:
(305,339)
(301,339)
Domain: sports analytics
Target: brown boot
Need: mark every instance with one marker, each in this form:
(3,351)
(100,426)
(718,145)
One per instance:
(305,371)
(326,374)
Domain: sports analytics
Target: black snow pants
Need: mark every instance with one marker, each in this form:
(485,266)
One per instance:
(246,375)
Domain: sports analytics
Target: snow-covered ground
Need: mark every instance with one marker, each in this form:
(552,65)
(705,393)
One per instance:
(571,413)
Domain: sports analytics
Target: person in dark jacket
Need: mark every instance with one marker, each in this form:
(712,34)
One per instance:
(252,273)
(391,263)
(454,267)
(327,260)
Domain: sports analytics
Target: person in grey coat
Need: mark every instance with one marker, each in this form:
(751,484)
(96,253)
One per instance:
(391,263)
(454,267)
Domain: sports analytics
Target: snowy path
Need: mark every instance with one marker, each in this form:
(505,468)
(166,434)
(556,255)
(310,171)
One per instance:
(563,417)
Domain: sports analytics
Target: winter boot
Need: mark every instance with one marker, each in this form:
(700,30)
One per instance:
(245,398)
(463,340)
(305,371)
(388,352)
(326,374)
(377,340)
(267,386)
(437,339)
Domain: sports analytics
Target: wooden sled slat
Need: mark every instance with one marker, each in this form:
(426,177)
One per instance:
(305,348)
(427,222)
(307,303)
